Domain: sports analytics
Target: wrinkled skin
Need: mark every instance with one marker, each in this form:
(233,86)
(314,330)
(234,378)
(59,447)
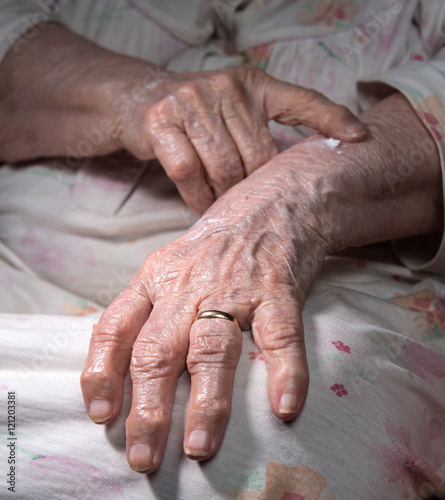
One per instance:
(209,129)
(61,94)
(253,254)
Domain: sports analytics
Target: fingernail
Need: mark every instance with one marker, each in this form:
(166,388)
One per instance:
(288,403)
(100,410)
(356,129)
(140,457)
(198,443)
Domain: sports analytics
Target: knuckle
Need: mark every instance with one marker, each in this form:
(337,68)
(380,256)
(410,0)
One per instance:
(150,417)
(158,114)
(112,327)
(213,351)
(342,109)
(170,109)
(314,95)
(106,334)
(281,337)
(85,377)
(153,359)
(329,118)
(334,112)
(215,407)
(95,376)
(192,90)
(224,80)
(182,172)
(254,156)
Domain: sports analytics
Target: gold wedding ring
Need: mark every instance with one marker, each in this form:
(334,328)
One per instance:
(213,313)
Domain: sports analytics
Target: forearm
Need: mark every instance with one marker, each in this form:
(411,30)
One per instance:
(61,90)
(353,194)
(313,199)
(388,187)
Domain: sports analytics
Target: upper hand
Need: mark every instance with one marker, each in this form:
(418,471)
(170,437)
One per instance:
(209,129)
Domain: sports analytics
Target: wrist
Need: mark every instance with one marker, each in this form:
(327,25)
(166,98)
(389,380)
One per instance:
(61,93)
(351,188)
(129,99)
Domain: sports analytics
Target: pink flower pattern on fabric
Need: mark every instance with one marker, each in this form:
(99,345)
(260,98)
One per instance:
(426,302)
(56,469)
(256,355)
(53,255)
(436,431)
(341,347)
(288,483)
(338,13)
(339,390)
(427,363)
(431,114)
(398,461)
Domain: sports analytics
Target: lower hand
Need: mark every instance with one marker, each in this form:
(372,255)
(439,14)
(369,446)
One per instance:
(248,256)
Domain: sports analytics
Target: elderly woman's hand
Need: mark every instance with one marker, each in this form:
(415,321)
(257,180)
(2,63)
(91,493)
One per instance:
(254,255)
(209,129)
(62,95)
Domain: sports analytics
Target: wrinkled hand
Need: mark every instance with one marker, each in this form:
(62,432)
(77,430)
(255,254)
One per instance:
(209,129)
(254,260)
(254,254)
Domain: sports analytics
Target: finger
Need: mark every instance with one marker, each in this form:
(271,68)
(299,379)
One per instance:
(250,133)
(157,361)
(215,348)
(291,105)
(217,151)
(179,159)
(109,354)
(278,331)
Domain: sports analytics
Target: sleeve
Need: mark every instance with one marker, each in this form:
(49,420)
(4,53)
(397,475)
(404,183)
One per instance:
(422,81)
(22,16)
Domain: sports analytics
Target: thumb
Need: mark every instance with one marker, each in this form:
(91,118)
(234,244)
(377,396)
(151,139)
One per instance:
(293,105)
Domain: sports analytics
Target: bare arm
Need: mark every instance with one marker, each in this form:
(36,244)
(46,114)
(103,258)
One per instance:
(55,88)
(63,95)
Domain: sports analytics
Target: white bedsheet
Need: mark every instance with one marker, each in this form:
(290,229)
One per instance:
(373,425)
